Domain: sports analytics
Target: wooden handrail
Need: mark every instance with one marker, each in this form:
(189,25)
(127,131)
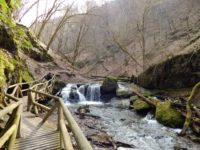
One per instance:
(65,137)
(81,140)
(7,135)
(11,129)
(9,108)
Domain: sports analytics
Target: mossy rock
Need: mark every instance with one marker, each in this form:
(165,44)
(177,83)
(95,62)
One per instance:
(168,116)
(140,105)
(6,66)
(109,85)
(25,76)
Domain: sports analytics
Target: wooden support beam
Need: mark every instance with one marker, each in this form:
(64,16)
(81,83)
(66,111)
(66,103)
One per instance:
(12,97)
(45,94)
(41,106)
(49,113)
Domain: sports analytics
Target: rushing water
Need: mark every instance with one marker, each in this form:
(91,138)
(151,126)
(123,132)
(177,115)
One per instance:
(123,124)
(84,94)
(143,132)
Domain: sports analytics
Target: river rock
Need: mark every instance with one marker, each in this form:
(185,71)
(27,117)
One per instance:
(73,96)
(109,85)
(168,116)
(140,105)
(124,93)
(58,86)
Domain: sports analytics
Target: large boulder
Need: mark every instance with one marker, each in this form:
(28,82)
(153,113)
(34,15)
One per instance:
(168,116)
(58,85)
(109,85)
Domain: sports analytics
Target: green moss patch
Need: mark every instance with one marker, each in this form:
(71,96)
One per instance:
(140,105)
(6,66)
(168,116)
(25,75)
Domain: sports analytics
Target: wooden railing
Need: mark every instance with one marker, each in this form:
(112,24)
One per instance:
(12,126)
(36,91)
(11,109)
(65,122)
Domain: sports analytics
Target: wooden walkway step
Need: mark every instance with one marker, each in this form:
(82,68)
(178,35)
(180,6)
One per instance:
(44,138)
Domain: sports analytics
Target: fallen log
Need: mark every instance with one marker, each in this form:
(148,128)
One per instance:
(89,115)
(148,101)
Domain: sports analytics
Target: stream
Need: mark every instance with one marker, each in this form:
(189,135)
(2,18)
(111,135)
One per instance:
(125,125)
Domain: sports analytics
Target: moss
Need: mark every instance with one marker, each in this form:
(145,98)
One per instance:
(168,116)
(6,66)
(25,75)
(140,105)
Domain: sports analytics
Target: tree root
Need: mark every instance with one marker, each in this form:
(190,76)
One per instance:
(188,119)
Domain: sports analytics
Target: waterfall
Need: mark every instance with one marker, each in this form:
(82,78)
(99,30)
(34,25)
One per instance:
(85,93)
(93,92)
(71,94)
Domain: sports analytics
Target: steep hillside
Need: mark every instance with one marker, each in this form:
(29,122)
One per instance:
(167,28)
(16,41)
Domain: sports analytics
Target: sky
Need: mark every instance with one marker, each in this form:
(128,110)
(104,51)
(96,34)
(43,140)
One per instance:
(31,15)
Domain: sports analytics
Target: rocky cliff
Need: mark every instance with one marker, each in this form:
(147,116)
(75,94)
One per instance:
(180,71)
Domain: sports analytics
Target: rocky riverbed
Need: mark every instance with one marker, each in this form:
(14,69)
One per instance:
(117,127)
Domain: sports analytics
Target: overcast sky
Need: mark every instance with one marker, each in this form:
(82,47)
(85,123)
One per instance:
(31,15)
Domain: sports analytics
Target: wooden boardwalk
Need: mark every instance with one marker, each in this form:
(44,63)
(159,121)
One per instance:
(44,138)
(22,130)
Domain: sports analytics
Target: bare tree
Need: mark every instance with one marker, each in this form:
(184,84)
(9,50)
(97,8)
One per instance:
(64,19)
(141,26)
(47,16)
(124,50)
(27,10)
(77,47)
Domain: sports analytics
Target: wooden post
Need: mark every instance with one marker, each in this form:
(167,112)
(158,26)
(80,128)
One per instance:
(20,120)
(29,101)
(60,115)
(16,123)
